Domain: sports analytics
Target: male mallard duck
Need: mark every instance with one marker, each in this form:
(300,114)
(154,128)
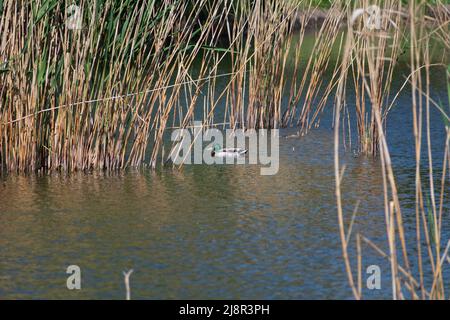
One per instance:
(227,152)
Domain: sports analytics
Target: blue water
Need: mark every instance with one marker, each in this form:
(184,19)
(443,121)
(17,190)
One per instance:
(213,232)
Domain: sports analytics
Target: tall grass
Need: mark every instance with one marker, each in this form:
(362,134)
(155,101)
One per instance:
(423,280)
(82,99)
(373,58)
(101,97)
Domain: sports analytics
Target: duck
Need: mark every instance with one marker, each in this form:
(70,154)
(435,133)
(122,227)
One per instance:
(219,152)
(297,135)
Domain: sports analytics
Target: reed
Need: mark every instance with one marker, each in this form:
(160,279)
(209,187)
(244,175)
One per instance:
(317,66)
(259,62)
(264,74)
(373,58)
(83,99)
(101,97)
(424,280)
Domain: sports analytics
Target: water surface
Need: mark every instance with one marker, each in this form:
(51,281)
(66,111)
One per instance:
(208,232)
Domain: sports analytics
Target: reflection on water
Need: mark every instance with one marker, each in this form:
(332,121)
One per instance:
(219,231)
(209,232)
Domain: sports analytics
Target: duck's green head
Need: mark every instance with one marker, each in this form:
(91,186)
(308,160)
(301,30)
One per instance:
(216,147)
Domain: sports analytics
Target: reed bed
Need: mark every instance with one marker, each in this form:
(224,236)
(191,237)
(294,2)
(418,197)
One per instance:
(425,278)
(103,95)
(314,72)
(260,62)
(372,61)
(85,99)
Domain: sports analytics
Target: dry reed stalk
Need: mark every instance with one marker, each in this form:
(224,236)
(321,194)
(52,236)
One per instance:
(428,222)
(49,66)
(375,54)
(126,275)
(261,54)
(337,167)
(57,94)
(318,63)
(312,75)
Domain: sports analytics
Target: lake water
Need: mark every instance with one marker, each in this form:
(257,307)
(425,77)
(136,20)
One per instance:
(209,232)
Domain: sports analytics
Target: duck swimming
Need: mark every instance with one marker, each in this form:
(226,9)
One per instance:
(227,152)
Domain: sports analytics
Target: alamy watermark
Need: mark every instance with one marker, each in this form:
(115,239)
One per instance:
(74,17)
(74,280)
(374,279)
(373,16)
(230,146)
